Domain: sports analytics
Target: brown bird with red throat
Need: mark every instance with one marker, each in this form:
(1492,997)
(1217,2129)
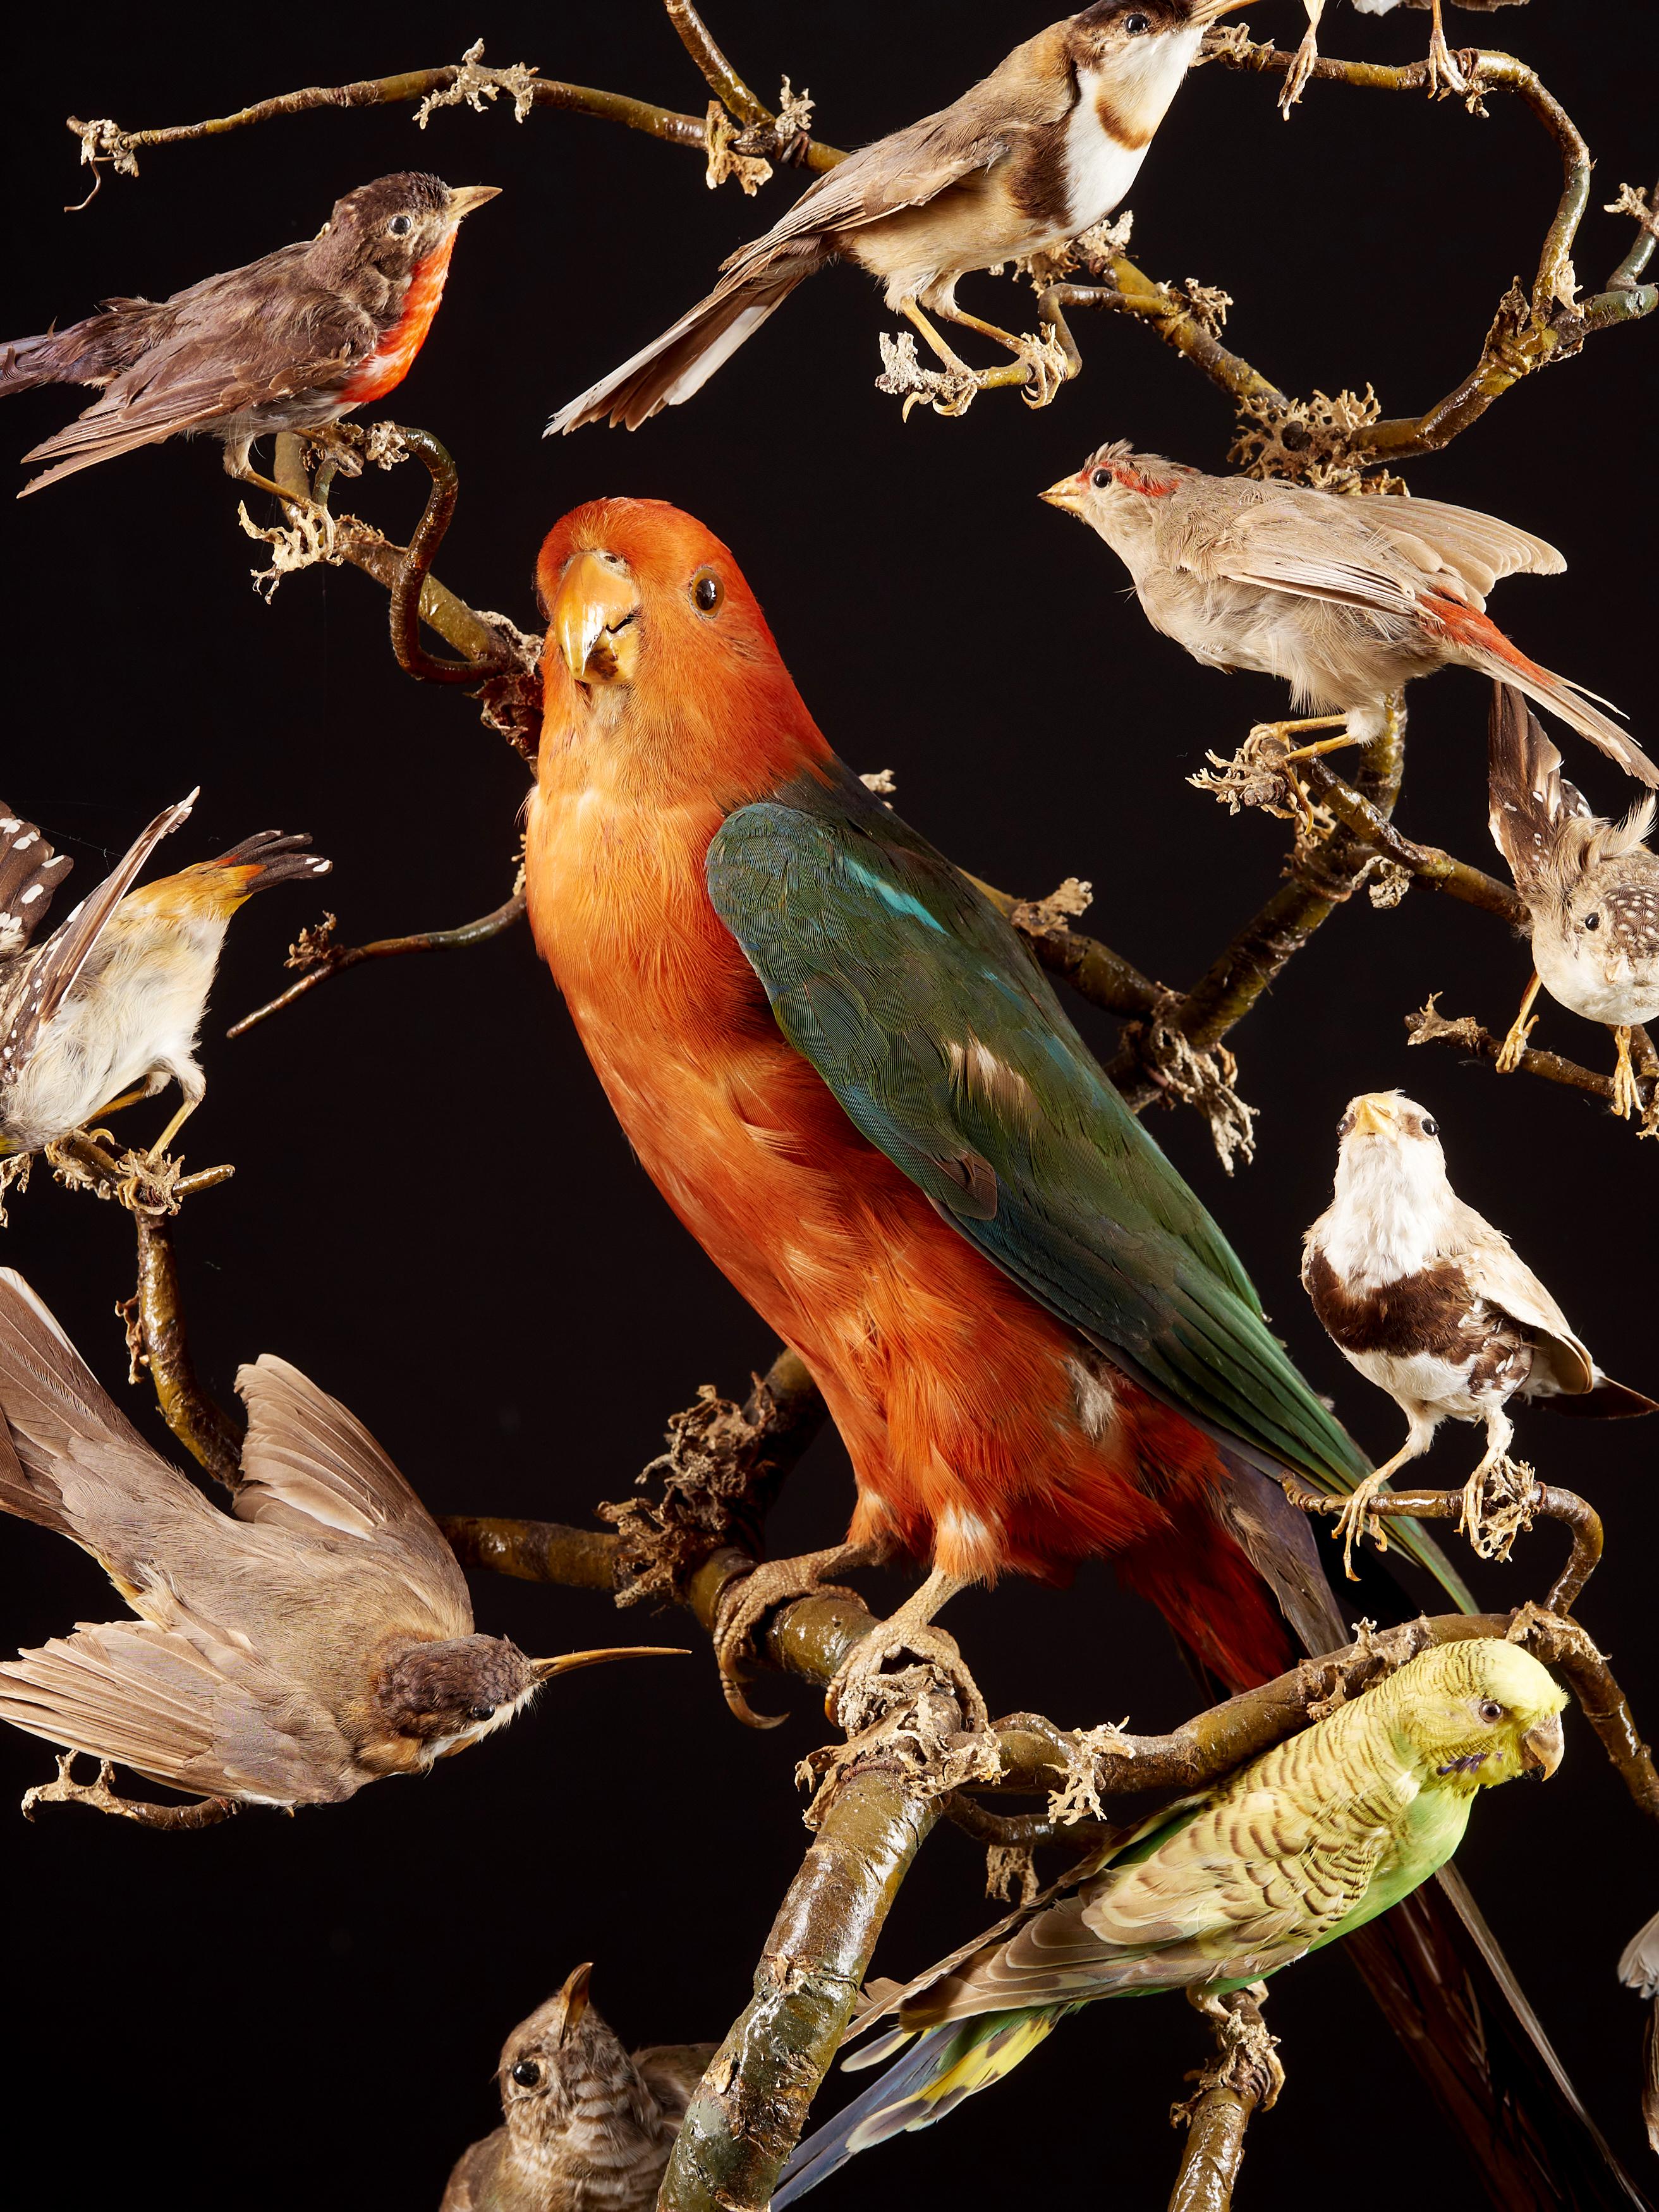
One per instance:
(292,341)
(1038,152)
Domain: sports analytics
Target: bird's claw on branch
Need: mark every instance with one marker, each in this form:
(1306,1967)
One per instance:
(865,1692)
(1247,2057)
(745,1602)
(1497,1505)
(100,1797)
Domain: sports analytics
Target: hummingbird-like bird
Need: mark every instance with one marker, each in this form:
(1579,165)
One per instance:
(317,1638)
(1034,155)
(1345,600)
(106,1010)
(586,2126)
(1591,887)
(292,341)
(1434,1305)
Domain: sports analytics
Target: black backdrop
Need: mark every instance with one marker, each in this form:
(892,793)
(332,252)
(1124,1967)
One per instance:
(434,1212)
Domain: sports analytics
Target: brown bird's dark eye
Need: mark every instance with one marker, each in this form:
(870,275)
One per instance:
(481,1713)
(1491,1710)
(1592,922)
(400,226)
(1101,478)
(1134,25)
(526,2073)
(1432,1129)
(707,590)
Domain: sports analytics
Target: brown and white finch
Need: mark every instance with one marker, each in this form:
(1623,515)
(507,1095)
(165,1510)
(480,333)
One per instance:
(1591,887)
(1346,600)
(586,2127)
(113,1000)
(1036,153)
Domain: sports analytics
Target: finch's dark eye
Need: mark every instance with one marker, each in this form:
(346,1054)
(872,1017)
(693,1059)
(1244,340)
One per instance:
(481,1713)
(1592,922)
(707,591)
(1432,1129)
(526,2073)
(400,226)
(1491,1710)
(1134,25)
(1101,478)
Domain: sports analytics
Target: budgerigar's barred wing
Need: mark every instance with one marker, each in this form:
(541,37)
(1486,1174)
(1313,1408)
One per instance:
(29,873)
(922,1010)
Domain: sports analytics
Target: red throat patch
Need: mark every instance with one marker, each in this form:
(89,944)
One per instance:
(385,369)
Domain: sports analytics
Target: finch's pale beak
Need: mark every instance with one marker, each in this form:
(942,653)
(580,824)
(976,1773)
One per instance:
(568,1661)
(1370,1117)
(1542,1746)
(574,1994)
(1068,492)
(465,199)
(591,619)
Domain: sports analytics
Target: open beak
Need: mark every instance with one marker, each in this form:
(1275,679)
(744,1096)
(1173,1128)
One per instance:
(1542,1746)
(568,1661)
(574,1994)
(465,198)
(1370,1118)
(1068,492)
(596,601)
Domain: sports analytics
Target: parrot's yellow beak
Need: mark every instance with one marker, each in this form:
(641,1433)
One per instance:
(1542,1744)
(591,619)
(1068,492)
(1372,1117)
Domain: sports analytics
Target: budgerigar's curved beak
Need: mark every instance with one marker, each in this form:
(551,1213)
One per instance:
(464,199)
(591,619)
(568,1661)
(1542,1744)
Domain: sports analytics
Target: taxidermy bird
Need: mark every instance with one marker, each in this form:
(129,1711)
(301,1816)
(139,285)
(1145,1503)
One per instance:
(1038,152)
(1591,887)
(106,1011)
(292,341)
(315,1638)
(1345,600)
(1638,1970)
(586,2127)
(1444,73)
(1432,1304)
(1296,1849)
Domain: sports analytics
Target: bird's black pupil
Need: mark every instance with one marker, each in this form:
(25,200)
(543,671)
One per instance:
(480,1712)
(399,225)
(526,2073)
(708,593)
(1592,922)
(1103,477)
(1134,24)
(1491,1712)
(1432,1129)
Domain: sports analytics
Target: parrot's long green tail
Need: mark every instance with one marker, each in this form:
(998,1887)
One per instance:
(941,2067)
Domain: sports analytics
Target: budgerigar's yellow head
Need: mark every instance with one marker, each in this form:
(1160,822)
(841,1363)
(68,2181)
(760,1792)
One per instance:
(1477,1713)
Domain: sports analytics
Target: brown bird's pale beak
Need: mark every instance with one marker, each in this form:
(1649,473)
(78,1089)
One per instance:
(1542,1744)
(574,1994)
(1068,492)
(568,1661)
(465,199)
(1370,1118)
(596,601)
(1208,11)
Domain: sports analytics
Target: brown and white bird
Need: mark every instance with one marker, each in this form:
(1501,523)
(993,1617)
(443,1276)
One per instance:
(1432,1304)
(106,1010)
(1591,887)
(315,1638)
(291,342)
(1444,73)
(1034,155)
(587,2128)
(1346,600)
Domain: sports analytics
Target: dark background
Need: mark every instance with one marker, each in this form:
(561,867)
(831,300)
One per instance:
(434,1212)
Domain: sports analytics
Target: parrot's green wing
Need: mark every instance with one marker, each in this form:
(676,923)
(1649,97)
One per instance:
(919,1007)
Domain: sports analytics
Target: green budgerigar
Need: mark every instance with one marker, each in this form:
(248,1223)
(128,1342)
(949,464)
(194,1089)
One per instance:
(1306,1843)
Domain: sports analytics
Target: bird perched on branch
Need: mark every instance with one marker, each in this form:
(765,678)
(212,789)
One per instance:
(1430,1302)
(292,341)
(316,1638)
(1444,71)
(114,998)
(1039,151)
(1306,1843)
(586,2128)
(1591,887)
(1346,600)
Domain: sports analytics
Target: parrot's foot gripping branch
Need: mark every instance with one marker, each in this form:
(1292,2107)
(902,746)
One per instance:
(204,1813)
(745,1602)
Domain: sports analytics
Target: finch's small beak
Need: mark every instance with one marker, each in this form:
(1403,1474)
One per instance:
(1068,492)
(568,1661)
(1370,1117)
(465,199)
(574,1994)
(592,609)
(1542,1746)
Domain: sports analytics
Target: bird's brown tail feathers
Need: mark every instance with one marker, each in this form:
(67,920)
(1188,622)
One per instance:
(52,1409)
(1484,645)
(259,863)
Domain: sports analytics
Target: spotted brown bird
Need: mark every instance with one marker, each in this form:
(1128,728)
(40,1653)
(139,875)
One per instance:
(1035,154)
(316,1638)
(586,2128)
(1591,887)
(1432,1304)
(292,341)
(106,1010)
(1345,600)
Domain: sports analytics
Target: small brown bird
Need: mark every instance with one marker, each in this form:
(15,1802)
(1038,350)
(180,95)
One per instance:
(1036,154)
(1444,73)
(1432,1304)
(107,1009)
(320,1638)
(1590,886)
(292,341)
(588,2128)
(1346,600)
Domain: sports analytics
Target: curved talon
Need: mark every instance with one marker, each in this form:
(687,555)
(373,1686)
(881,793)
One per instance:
(1355,1521)
(748,1601)
(862,1671)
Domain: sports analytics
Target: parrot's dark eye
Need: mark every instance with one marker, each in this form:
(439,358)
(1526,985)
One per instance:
(481,1713)
(1135,24)
(1491,1710)
(1592,922)
(1432,1129)
(1345,1127)
(400,226)
(526,2073)
(707,591)
(1101,478)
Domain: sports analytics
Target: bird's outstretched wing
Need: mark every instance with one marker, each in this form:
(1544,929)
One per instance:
(29,873)
(310,1466)
(921,1009)
(1456,543)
